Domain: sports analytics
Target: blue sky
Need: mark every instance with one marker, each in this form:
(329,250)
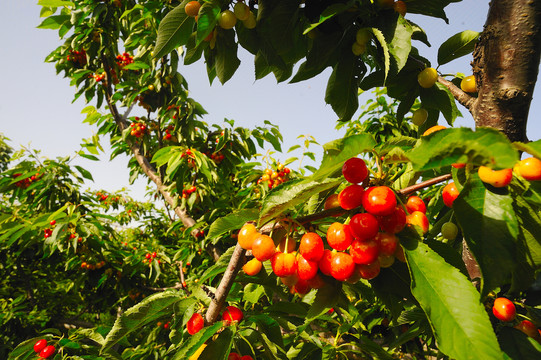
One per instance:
(36,108)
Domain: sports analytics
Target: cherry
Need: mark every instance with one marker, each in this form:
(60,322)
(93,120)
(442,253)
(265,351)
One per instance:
(496,178)
(311,246)
(419,116)
(246,357)
(40,345)
(252,267)
(227,19)
(393,223)
(232,314)
(387,243)
(399,254)
(433,129)
(363,36)
(449,231)
(419,219)
(364,252)
(449,194)
(263,247)
(247,235)
(301,287)
(339,236)
(528,328)
(355,170)
(369,271)
(504,309)
(427,78)
(386,261)
(529,169)
(234,356)
(251,23)
(400,7)
(47,351)
(242,12)
(331,202)
(325,262)
(195,324)
(364,226)
(192,8)
(306,269)
(284,264)
(342,266)
(316,282)
(379,200)
(415,203)
(53,222)
(351,197)
(468,84)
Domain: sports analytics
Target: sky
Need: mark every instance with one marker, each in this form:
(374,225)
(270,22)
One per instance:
(36,109)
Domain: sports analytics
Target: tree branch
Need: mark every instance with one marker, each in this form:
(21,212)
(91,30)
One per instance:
(463,98)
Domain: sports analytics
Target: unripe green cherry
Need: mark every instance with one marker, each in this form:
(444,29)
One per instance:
(419,116)
(227,19)
(250,22)
(363,36)
(241,10)
(358,49)
(449,231)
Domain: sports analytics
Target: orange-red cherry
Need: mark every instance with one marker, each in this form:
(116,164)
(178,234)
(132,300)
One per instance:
(379,200)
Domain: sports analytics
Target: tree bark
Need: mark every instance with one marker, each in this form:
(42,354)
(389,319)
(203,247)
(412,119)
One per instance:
(506,64)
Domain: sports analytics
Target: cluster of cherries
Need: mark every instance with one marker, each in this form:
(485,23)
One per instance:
(99,77)
(149,257)
(124,59)
(73,236)
(24,183)
(47,232)
(187,192)
(273,178)
(77,57)
(44,350)
(166,325)
(504,310)
(138,128)
(190,157)
(89,266)
(217,157)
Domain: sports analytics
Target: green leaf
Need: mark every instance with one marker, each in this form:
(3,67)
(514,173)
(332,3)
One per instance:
(484,146)
(291,194)
(54,22)
(343,85)
(227,61)
(326,298)
(231,222)
(532,148)
(386,55)
(490,227)
(457,46)
(438,97)
(196,341)
(218,349)
(398,38)
(55,3)
(322,54)
(143,314)
(452,304)
(530,227)
(517,345)
(338,151)
(219,267)
(207,19)
(174,30)
(137,65)
(269,327)
(431,8)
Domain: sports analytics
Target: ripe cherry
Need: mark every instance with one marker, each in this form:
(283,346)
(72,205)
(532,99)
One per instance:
(419,219)
(263,247)
(415,203)
(195,324)
(400,7)
(449,194)
(234,356)
(284,264)
(247,235)
(252,267)
(468,84)
(246,357)
(232,314)
(342,266)
(387,243)
(301,287)
(427,78)
(306,269)
(311,246)
(496,178)
(339,236)
(433,129)
(47,351)
(364,226)
(40,345)
(351,197)
(528,328)
(325,262)
(331,202)
(529,169)
(364,252)
(393,223)
(355,170)
(504,309)
(370,271)
(379,200)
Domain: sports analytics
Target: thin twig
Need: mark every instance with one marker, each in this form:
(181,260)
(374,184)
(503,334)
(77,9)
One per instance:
(463,98)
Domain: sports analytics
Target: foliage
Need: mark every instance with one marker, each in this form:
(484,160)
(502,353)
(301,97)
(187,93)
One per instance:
(102,276)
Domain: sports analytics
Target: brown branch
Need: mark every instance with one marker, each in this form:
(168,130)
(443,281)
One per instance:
(225,285)
(144,163)
(424,184)
(463,98)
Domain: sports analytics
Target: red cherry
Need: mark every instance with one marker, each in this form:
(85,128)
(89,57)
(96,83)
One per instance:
(364,226)
(325,262)
(40,345)
(415,203)
(231,314)
(234,356)
(419,219)
(263,247)
(48,351)
(379,200)
(246,357)
(195,324)
(351,197)
(284,264)
(395,222)
(311,246)
(528,328)
(504,309)
(342,266)
(355,170)
(339,236)
(53,222)
(387,243)
(364,252)
(306,269)
(370,271)
(449,194)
